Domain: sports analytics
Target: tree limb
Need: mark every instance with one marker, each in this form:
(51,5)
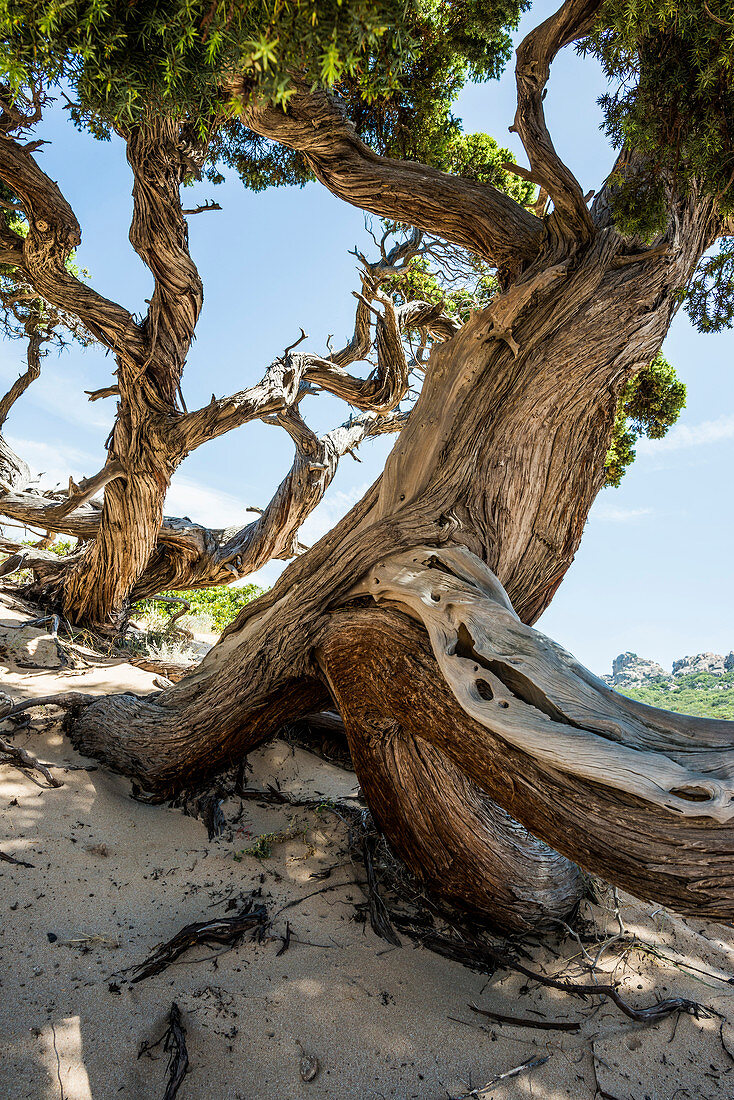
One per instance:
(203,557)
(159,234)
(53,234)
(475,216)
(32,372)
(534,56)
(276,390)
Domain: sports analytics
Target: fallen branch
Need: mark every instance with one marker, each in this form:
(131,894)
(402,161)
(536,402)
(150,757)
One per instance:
(174,1044)
(229,931)
(524,1021)
(19,758)
(650,1015)
(483,1091)
(17,862)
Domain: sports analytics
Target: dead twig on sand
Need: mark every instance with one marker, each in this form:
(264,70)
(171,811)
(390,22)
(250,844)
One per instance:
(252,918)
(482,1093)
(174,1044)
(524,1021)
(19,758)
(482,956)
(17,862)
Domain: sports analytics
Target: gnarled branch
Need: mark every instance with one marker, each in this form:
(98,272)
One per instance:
(534,56)
(532,693)
(53,234)
(475,216)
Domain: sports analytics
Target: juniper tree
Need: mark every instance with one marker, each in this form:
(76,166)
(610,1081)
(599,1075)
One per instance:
(490,758)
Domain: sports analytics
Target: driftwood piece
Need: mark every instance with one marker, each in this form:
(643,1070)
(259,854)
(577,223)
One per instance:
(482,1093)
(174,1044)
(229,931)
(18,757)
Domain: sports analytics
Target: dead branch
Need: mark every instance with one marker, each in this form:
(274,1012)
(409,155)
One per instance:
(32,372)
(227,931)
(16,862)
(483,1092)
(106,391)
(17,757)
(526,1021)
(205,206)
(82,493)
(174,1044)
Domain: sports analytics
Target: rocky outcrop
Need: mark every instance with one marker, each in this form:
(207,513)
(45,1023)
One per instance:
(629,670)
(714,663)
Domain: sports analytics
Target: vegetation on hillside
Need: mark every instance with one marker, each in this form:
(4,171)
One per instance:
(697,693)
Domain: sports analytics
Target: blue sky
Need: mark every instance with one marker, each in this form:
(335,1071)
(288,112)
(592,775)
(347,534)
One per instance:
(654,570)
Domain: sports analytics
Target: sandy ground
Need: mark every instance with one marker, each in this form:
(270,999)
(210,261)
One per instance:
(112,878)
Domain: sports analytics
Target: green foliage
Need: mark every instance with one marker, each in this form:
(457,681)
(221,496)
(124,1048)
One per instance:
(262,848)
(651,403)
(126,58)
(697,693)
(221,603)
(709,297)
(672,62)
(479,157)
(671,66)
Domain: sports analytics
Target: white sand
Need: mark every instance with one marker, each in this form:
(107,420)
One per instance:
(379,1019)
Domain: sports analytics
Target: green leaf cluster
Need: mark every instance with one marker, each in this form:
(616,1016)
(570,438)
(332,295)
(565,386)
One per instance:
(672,66)
(398,63)
(651,403)
(221,603)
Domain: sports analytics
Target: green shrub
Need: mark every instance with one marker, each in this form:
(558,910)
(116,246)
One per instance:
(220,604)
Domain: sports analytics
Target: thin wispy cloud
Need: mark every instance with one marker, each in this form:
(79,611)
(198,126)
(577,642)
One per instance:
(608,513)
(55,463)
(683,436)
(210,507)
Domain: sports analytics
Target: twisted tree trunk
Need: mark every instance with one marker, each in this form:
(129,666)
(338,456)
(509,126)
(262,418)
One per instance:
(490,482)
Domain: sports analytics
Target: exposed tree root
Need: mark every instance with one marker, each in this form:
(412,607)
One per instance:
(683,861)
(535,696)
(449,833)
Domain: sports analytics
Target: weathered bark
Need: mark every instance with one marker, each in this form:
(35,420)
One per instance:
(684,862)
(459,842)
(493,477)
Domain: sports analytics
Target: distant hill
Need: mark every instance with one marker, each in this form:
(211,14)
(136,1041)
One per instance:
(702,685)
